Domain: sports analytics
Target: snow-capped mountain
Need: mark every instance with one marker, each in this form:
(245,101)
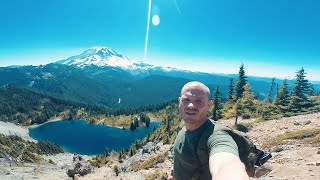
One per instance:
(104,56)
(99,56)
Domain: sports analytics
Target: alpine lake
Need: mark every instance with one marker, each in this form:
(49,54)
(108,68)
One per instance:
(81,137)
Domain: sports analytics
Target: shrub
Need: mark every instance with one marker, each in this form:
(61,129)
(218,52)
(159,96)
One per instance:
(116,170)
(160,175)
(149,163)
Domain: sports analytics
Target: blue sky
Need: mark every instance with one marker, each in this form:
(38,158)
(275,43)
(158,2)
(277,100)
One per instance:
(273,38)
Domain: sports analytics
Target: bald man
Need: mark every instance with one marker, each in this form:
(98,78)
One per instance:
(200,153)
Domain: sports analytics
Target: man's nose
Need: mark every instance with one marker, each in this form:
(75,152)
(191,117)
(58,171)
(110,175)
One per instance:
(190,105)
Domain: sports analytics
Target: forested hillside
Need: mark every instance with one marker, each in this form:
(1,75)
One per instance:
(25,106)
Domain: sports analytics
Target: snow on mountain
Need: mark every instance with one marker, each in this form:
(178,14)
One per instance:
(104,56)
(99,56)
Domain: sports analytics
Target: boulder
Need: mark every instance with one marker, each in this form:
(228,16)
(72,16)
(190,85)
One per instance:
(150,147)
(302,122)
(278,148)
(79,167)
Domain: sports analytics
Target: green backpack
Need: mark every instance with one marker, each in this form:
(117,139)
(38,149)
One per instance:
(246,148)
(249,155)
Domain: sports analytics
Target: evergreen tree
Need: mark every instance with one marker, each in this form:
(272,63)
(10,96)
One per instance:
(216,112)
(131,152)
(311,90)
(147,121)
(301,86)
(268,98)
(241,82)
(133,125)
(116,169)
(247,102)
(106,152)
(120,157)
(148,137)
(282,95)
(231,89)
(301,90)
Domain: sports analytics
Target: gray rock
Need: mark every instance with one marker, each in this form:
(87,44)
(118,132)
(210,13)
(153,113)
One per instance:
(302,122)
(277,149)
(306,122)
(148,148)
(79,167)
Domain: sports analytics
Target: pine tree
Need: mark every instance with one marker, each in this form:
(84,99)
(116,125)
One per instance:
(132,126)
(120,157)
(106,152)
(147,121)
(154,129)
(231,89)
(216,112)
(116,169)
(311,90)
(282,95)
(148,137)
(282,98)
(268,97)
(241,82)
(301,90)
(301,86)
(247,102)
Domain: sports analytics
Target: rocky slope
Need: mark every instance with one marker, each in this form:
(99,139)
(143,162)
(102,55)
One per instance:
(291,160)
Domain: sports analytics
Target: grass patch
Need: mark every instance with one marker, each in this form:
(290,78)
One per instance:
(301,134)
(148,163)
(315,141)
(157,174)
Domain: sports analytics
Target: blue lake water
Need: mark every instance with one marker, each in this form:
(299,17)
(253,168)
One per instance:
(78,136)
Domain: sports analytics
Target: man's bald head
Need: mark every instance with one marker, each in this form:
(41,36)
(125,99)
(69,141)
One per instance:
(196,85)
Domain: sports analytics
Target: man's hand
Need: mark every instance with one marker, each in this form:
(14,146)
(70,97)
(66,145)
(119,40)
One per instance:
(225,165)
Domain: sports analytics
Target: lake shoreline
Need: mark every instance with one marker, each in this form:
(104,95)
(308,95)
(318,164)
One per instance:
(71,135)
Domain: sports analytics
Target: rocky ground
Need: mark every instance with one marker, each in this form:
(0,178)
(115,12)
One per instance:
(294,160)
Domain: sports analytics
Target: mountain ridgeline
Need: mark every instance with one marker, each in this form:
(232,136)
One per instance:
(101,76)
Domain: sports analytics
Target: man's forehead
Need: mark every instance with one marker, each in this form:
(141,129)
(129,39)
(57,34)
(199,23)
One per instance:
(194,89)
(193,92)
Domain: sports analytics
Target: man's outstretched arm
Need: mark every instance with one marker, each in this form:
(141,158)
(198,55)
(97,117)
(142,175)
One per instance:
(225,165)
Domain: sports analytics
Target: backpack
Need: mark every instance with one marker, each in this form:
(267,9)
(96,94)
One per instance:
(247,150)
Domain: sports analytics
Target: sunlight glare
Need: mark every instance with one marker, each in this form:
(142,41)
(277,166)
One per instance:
(147,33)
(155,20)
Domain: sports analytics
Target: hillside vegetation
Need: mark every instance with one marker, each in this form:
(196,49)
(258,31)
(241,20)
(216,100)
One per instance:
(21,151)
(25,106)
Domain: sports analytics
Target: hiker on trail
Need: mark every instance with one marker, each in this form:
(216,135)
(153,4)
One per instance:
(219,153)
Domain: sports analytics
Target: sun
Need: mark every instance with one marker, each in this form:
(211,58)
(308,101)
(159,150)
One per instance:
(155,20)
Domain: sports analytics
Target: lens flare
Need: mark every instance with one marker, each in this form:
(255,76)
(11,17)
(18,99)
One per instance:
(147,34)
(155,20)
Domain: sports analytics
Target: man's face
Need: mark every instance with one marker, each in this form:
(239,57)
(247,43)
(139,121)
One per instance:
(194,104)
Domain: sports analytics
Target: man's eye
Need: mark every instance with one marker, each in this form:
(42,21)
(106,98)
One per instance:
(185,100)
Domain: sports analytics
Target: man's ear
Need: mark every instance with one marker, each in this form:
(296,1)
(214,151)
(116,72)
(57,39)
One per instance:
(179,99)
(210,103)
